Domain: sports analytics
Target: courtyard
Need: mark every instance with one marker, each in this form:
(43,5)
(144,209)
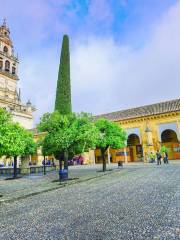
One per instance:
(138,201)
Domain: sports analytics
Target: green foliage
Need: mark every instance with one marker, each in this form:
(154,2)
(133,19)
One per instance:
(73,133)
(86,133)
(30,145)
(63,91)
(14,139)
(164,149)
(11,142)
(5,117)
(110,135)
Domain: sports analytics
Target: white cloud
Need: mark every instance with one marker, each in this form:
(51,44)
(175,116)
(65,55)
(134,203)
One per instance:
(107,76)
(39,75)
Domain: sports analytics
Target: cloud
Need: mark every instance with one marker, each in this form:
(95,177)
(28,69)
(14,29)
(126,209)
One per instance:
(34,23)
(39,80)
(106,75)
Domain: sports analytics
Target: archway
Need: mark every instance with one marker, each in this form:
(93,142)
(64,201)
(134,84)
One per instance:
(135,147)
(169,135)
(133,139)
(1,64)
(169,139)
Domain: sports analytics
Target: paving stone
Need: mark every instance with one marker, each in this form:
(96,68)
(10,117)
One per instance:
(140,202)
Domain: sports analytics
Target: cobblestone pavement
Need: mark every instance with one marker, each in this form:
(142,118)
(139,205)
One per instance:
(139,202)
(36,183)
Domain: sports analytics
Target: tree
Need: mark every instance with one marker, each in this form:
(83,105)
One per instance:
(5,117)
(63,91)
(110,135)
(67,134)
(86,133)
(14,140)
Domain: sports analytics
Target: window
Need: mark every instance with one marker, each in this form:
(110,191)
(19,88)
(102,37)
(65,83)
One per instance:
(121,154)
(5,49)
(169,135)
(177,149)
(1,64)
(7,66)
(13,70)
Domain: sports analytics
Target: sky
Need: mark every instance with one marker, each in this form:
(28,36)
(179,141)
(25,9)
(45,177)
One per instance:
(124,53)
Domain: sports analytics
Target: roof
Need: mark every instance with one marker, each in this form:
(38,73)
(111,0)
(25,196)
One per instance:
(148,110)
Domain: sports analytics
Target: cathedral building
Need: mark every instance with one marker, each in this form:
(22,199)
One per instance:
(10,95)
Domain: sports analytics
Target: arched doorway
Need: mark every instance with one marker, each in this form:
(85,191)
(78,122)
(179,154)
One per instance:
(135,147)
(169,136)
(169,139)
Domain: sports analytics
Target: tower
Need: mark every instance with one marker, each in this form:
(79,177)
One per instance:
(10,98)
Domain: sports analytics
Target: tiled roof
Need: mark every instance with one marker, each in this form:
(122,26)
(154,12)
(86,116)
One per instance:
(153,109)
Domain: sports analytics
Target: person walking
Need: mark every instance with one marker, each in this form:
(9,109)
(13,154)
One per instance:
(158,155)
(166,157)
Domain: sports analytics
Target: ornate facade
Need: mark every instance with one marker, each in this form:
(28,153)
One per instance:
(148,129)
(10,96)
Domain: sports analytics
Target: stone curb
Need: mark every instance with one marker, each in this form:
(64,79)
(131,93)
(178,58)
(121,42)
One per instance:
(55,188)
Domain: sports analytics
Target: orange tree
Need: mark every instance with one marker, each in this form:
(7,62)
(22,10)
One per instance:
(14,140)
(67,134)
(111,135)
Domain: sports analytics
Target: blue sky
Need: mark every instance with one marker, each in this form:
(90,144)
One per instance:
(124,53)
(47,20)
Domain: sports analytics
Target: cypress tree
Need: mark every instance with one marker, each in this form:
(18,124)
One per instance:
(63,91)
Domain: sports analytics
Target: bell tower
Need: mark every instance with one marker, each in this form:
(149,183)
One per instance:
(8,66)
(10,98)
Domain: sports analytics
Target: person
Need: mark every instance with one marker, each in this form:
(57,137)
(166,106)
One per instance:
(158,155)
(52,162)
(152,158)
(166,158)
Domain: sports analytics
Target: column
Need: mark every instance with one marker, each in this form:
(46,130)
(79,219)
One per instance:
(92,156)
(178,126)
(108,156)
(125,155)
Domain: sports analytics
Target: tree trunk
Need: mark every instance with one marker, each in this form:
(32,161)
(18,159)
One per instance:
(60,164)
(66,159)
(104,159)
(60,158)
(15,167)
(44,167)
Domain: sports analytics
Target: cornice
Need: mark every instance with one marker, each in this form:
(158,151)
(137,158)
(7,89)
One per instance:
(151,117)
(9,75)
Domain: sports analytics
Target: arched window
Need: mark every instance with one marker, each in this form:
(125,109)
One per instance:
(1,64)
(133,140)
(13,70)
(7,65)
(169,135)
(5,49)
